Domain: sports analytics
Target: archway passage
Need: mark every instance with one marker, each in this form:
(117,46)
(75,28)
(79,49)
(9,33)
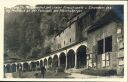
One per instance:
(49,62)
(70,59)
(55,61)
(33,66)
(25,67)
(81,56)
(62,60)
(13,67)
(19,67)
(45,62)
(38,65)
(8,68)
(41,63)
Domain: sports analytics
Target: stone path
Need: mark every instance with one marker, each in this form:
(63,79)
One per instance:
(72,75)
(8,75)
(83,76)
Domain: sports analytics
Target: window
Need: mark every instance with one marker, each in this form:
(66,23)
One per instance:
(105,45)
(105,59)
(70,40)
(100,46)
(70,26)
(108,44)
(64,42)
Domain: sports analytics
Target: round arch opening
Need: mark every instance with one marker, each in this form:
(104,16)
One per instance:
(33,66)
(38,65)
(70,59)
(55,61)
(13,67)
(45,62)
(62,60)
(8,67)
(81,56)
(25,67)
(49,62)
(41,63)
(19,67)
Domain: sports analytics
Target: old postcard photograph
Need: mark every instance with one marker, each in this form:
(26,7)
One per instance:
(64,41)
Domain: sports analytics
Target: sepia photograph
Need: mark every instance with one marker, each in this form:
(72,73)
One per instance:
(64,41)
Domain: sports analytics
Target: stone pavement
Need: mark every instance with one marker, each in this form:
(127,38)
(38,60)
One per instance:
(8,75)
(83,76)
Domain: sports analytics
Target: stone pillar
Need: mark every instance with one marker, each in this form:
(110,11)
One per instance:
(51,63)
(47,63)
(10,68)
(22,67)
(66,62)
(58,62)
(16,67)
(43,62)
(75,60)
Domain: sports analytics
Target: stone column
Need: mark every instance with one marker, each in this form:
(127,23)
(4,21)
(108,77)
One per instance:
(58,62)
(22,67)
(16,67)
(66,62)
(10,68)
(52,63)
(75,60)
(47,63)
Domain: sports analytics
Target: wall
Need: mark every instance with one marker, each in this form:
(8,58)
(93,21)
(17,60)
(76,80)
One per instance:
(95,36)
(65,36)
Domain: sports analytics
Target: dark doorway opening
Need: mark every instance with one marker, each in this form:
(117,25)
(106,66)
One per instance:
(70,59)
(81,56)
(55,61)
(62,60)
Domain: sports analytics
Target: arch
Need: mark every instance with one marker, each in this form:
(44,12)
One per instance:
(8,67)
(62,59)
(45,62)
(41,63)
(55,61)
(81,56)
(13,67)
(38,65)
(49,62)
(70,59)
(26,67)
(19,67)
(33,66)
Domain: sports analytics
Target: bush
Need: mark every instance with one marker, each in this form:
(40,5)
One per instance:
(100,72)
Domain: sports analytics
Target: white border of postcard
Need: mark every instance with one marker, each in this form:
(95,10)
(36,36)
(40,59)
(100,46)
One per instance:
(11,3)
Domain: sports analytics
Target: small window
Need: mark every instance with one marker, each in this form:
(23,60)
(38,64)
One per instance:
(108,44)
(70,26)
(100,46)
(64,42)
(70,40)
(105,46)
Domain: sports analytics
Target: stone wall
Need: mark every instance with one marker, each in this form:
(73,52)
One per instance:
(67,37)
(93,37)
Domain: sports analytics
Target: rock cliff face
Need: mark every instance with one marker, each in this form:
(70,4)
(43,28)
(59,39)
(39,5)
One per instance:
(27,33)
